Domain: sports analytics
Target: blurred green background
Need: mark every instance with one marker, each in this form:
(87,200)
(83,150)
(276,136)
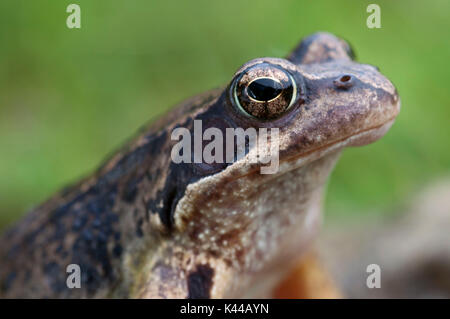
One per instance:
(70,97)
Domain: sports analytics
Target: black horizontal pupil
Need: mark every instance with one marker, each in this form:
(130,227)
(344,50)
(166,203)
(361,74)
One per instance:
(264,89)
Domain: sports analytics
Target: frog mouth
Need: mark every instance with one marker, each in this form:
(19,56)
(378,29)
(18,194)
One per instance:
(360,138)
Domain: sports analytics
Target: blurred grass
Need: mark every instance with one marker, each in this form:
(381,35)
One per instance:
(69,97)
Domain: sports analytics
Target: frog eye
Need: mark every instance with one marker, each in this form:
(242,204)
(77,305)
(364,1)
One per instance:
(264,91)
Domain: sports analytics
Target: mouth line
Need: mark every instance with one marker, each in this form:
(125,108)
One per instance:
(346,138)
(324,147)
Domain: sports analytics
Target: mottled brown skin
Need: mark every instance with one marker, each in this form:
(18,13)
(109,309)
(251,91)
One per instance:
(145,227)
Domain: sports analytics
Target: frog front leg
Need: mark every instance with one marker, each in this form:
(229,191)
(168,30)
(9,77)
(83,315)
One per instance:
(308,279)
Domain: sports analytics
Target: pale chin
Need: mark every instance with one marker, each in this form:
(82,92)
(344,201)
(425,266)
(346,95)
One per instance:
(370,135)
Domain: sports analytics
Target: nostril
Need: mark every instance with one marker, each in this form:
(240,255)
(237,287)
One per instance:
(344,81)
(345,78)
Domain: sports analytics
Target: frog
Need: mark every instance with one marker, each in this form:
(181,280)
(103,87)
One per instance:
(143,226)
